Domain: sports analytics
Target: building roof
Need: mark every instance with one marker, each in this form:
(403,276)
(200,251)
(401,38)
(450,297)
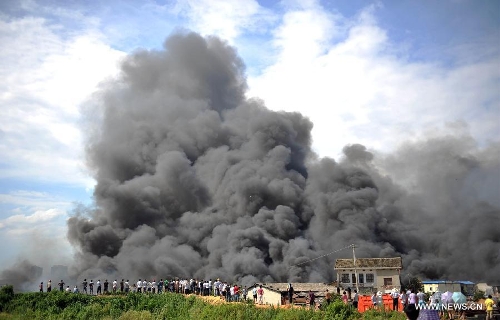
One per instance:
(370,263)
(446,281)
(297,287)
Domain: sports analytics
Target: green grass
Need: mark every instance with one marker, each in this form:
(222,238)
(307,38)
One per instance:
(60,305)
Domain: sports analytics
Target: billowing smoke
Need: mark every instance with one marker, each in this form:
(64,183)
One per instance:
(195,179)
(23,275)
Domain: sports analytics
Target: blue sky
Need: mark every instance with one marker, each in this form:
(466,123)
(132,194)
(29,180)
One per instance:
(372,72)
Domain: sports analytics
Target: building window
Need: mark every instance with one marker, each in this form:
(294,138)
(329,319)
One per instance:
(353,277)
(361,278)
(345,278)
(387,282)
(370,278)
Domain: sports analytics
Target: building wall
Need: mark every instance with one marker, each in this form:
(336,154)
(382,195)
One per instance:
(362,275)
(387,280)
(378,279)
(271,297)
(442,287)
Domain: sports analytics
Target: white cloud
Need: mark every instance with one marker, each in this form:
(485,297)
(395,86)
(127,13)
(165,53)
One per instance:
(37,217)
(33,220)
(346,77)
(32,200)
(226,19)
(46,76)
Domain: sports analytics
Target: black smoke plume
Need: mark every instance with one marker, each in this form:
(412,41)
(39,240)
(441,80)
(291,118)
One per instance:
(195,179)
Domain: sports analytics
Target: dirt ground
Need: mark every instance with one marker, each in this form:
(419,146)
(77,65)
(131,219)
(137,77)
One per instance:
(219,300)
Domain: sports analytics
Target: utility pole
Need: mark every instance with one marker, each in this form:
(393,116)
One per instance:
(355,269)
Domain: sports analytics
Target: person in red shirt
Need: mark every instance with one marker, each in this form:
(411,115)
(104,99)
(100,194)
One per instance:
(260,295)
(236,293)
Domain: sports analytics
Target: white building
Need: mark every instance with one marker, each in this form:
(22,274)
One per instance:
(277,293)
(373,274)
(431,286)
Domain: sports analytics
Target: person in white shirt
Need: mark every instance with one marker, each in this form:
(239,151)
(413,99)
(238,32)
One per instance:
(420,297)
(395,299)
(153,286)
(216,288)
(139,286)
(115,285)
(404,299)
(144,286)
(231,292)
(127,286)
(75,289)
(99,291)
(412,298)
(68,289)
(205,288)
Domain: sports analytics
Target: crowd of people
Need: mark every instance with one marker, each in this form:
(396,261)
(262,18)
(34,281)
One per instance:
(229,292)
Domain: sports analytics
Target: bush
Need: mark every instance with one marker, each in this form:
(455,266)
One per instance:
(6,294)
(383,314)
(478,295)
(339,310)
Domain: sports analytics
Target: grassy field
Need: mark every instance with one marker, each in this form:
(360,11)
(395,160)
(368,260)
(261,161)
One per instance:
(59,305)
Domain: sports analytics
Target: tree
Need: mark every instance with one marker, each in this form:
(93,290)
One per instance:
(415,284)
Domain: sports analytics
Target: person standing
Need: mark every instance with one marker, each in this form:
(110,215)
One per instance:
(231,293)
(236,293)
(404,299)
(61,285)
(344,297)
(355,299)
(41,286)
(84,285)
(312,299)
(374,300)
(99,287)
(49,286)
(260,295)
(395,299)
(328,297)
(412,298)
(489,307)
(290,293)
(420,297)
(139,286)
(122,285)
(254,294)
(127,286)
(91,287)
(245,292)
(106,286)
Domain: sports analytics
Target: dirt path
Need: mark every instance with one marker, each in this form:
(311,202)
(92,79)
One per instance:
(219,300)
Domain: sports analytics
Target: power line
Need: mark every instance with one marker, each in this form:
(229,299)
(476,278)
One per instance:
(298,264)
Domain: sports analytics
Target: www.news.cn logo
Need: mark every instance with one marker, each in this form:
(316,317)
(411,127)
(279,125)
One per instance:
(451,306)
